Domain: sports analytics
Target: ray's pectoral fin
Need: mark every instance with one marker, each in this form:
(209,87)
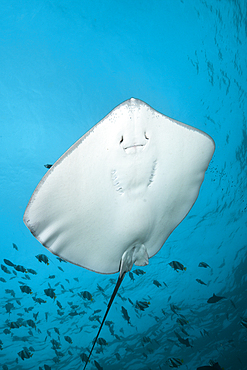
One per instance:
(137,255)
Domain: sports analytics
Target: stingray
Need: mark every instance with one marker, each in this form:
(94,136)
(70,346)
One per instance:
(114,197)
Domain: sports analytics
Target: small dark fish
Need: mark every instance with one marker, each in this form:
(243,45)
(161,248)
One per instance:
(84,357)
(182,340)
(39,300)
(4,268)
(35,315)
(131,276)
(76,279)
(32,271)
(28,309)
(57,330)
(200,282)
(68,339)
(74,313)
(61,260)
(6,331)
(98,365)
(130,301)
(99,288)
(60,268)
(233,303)
(111,330)
(26,277)
(182,321)
(10,291)
(109,323)
(244,322)
(204,332)
(203,264)
(94,318)
(139,272)
(42,258)
(102,342)
(51,276)
(9,263)
(2,280)
(165,284)
(146,340)
(15,246)
(48,165)
(55,344)
(9,307)
(174,308)
(26,289)
(25,353)
(155,282)
(142,305)
(20,268)
(31,323)
(177,266)
(125,315)
(96,311)
(14,325)
(118,357)
(59,305)
(156,318)
(123,298)
(50,293)
(86,295)
(184,331)
(214,299)
(174,362)
(163,311)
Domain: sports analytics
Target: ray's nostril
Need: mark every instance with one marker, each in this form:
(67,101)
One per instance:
(145,134)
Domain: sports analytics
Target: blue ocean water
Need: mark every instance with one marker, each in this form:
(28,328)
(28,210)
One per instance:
(64,65)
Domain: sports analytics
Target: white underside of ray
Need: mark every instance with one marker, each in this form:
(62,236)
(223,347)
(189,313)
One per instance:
(126,183)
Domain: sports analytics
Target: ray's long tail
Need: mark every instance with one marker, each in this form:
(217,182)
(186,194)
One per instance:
(120,279)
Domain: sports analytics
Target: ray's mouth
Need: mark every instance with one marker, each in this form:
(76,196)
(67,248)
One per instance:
(135,146)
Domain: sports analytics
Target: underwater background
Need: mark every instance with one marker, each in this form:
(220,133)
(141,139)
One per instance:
(64,65)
